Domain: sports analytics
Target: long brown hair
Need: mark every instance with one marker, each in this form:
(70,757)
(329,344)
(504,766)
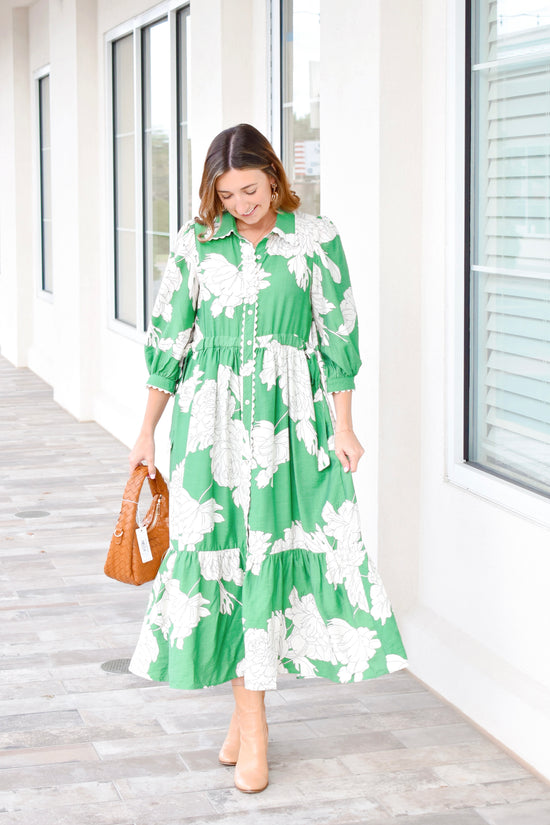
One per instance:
(240,147)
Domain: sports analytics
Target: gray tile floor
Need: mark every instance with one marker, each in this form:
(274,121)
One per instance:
(81,745)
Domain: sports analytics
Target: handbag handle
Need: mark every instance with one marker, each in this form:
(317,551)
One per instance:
(137,478)
(131,495)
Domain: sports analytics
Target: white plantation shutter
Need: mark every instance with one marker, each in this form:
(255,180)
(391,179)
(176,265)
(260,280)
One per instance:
(509,409)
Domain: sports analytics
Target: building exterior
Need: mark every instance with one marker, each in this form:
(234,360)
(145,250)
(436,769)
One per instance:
(421,128)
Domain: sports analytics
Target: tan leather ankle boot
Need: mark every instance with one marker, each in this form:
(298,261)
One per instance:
(229,752)
(251,771)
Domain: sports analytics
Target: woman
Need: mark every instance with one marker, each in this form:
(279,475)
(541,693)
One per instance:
(253,327)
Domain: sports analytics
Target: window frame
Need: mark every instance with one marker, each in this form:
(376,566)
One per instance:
(167,9)
(38,75)
(175,69)
(275,52)
(504,493)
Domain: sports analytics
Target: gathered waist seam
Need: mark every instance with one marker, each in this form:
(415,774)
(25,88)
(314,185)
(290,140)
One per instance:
(220,341)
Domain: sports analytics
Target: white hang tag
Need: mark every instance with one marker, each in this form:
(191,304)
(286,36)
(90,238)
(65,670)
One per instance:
(143,544)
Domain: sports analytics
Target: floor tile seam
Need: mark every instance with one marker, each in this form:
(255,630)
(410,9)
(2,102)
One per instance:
(58,802)
(379,716)
(474,786)
(381,776)
(272,805)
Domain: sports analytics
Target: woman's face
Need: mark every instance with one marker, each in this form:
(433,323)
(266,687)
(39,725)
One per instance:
(246,194)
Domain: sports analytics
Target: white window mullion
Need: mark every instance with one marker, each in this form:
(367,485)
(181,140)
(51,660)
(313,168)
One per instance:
(173,143)
(274,53)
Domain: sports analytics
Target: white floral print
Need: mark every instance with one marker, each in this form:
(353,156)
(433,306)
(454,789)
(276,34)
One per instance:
(258,546)
(188,389)
(320,304)
(170,283)
(287,365)
(221,564)
(177,348)
(380,603)
(229,285)
(395,662)
(229,468)
(354,647)
(172,279)
(296,538)
(349,313)
(309,637)
(269,450)
(180,612)
(146,652)
(263,652)
(190,519)
(342,524)
(345,559)
(305,242)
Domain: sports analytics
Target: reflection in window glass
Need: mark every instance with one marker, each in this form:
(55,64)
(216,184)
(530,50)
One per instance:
(184,136)
(124,179)
(156,171)
(45,182)
(509,393)
(300,61)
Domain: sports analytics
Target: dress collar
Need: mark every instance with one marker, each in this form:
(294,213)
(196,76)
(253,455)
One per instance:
(226,225)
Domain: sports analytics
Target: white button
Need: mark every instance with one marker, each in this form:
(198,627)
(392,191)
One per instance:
(247,401)
(250,312)
(249,343)
(258,257)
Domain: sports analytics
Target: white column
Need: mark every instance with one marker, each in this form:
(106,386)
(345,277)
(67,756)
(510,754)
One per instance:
(400,205)
(206,82)
(350,50)
(229,71)
(371,117)
(75,179)
(16,217)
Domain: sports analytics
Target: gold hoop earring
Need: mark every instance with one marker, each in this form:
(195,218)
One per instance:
(274,191)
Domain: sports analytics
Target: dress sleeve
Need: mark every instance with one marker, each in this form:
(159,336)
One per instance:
(170,331)
(334,312)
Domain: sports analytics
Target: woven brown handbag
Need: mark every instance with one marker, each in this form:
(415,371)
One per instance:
(125,558)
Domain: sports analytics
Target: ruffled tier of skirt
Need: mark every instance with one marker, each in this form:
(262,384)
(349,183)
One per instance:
(210,619)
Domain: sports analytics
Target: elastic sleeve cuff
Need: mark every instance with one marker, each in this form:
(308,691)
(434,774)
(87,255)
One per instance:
(160,382)
(340,382)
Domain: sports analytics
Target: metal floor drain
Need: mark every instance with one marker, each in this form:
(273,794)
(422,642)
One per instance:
(32,514)
(116,666)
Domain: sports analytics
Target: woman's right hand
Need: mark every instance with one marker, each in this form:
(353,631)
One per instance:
(143,453)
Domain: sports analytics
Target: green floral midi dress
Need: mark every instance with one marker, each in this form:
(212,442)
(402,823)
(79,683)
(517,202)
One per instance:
(267,572)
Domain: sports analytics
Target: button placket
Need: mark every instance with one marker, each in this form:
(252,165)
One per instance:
(248,338)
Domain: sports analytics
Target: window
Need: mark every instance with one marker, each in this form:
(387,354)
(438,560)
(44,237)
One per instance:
(507,412)
(300,87)
(151,154)
(45,183)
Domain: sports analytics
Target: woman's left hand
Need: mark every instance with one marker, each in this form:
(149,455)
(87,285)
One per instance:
(348,449)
